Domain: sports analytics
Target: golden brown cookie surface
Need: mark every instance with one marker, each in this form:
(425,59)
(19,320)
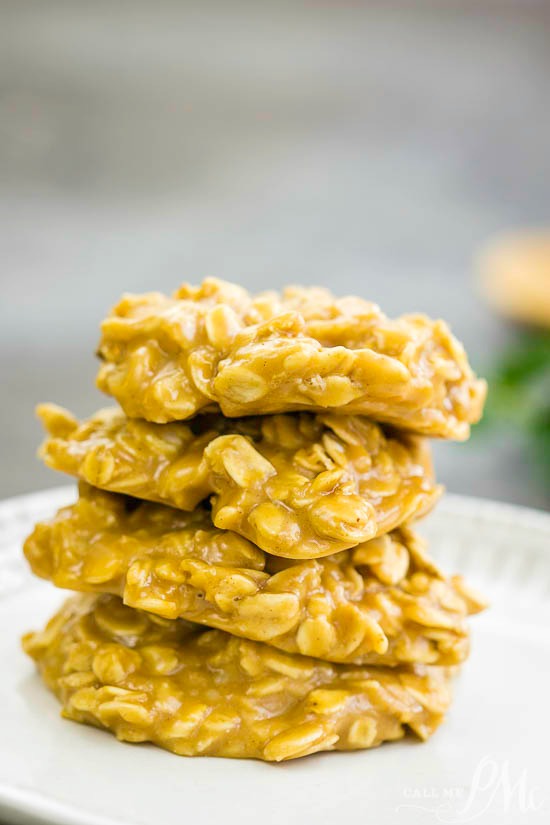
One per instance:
(297,485)
(207,693)
(383,602)
(166,359)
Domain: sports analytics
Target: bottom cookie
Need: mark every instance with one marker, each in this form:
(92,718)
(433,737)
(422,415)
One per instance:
(196,691)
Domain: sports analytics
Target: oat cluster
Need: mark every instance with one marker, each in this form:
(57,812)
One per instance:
(250,582)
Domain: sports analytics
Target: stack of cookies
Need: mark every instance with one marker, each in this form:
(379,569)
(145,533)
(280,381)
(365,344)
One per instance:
(250,581)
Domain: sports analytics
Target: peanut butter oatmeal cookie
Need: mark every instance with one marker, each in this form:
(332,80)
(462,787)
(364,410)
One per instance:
(384,602)
(297,485)
(148,679)
(166,359)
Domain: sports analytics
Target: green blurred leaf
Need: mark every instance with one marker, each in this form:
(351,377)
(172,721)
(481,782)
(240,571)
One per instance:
(525,361)
(519,396)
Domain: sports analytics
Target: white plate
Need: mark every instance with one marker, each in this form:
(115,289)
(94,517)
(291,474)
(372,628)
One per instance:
(488,763)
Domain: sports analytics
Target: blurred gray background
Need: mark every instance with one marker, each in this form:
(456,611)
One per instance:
(368,147)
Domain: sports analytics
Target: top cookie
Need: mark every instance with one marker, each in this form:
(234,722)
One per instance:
(216,346)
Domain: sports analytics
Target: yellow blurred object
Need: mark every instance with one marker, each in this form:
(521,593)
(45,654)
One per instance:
(515,276)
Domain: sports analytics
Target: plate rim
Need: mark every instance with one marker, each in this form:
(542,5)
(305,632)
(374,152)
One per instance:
(24,805)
